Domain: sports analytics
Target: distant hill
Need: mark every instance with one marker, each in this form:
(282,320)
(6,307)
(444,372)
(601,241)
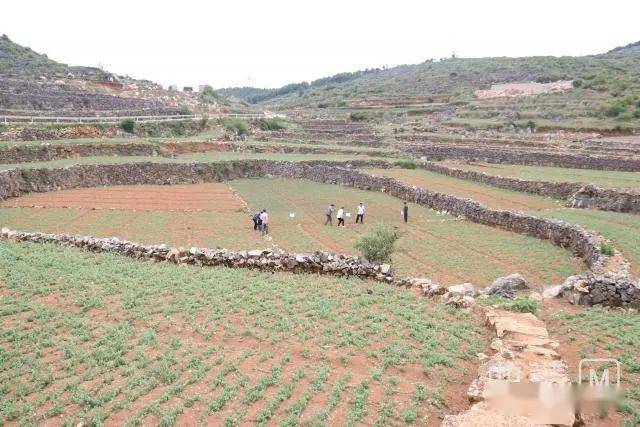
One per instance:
(31,82)
(20,61)
(630,49)
(456,79)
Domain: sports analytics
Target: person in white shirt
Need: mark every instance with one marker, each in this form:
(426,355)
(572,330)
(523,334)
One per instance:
(360,215)
(264,219)
(340,216)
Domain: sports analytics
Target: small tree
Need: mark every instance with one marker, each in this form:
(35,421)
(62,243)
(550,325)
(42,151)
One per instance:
(237,126)
(378,245)
(128,125)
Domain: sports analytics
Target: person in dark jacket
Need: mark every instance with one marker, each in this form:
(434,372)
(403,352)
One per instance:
(256,220)
(329,215)
(405,212)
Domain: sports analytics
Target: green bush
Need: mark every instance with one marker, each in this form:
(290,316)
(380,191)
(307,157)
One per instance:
(271,124)
(378,245)
(518,304)
(238,126)
(406,164)
(614,109)
(358,116)
(209,96)
(128,125)
(531,125)
(607,249)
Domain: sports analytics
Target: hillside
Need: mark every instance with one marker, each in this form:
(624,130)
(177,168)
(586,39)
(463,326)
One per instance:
(605,86)
(31,82)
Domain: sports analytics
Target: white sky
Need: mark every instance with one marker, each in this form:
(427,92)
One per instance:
(272,43)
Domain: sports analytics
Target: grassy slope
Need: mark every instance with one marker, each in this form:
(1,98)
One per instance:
(608,179)
(100,338)
(622,229)
(493,197)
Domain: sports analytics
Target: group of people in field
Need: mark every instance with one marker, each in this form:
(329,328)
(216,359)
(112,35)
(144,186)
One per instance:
(261,218)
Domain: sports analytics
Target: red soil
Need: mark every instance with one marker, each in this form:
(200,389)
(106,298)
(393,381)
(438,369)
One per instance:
(185,198)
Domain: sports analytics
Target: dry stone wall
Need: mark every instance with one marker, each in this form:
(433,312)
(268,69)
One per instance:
(47,152)
(313,262)
(436,152)
(581,195)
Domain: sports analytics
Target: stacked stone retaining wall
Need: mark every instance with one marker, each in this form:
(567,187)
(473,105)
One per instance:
(608,199)
(312,262)
(525,157)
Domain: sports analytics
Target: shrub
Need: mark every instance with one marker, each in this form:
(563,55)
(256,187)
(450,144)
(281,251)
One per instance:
(519,304)
(614,109)
(607,249)
(358,116)
(208,95)
(378,245)
(202,124)
(238,126)
(406,164)
(522,305)
(271,124)
(128,125)
(531,125)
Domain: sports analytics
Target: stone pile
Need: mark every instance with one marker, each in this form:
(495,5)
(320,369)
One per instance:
(268,260)
(608,289)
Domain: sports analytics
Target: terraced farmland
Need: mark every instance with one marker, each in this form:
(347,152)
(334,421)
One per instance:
(607,179)
(495,198)
(432,244)
(99,339)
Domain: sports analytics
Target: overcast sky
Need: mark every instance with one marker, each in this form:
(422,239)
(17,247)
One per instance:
(271,43)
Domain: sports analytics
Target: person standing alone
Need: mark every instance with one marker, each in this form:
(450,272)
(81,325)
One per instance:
(405,212)
(360,215)
(340,217)
(329,214)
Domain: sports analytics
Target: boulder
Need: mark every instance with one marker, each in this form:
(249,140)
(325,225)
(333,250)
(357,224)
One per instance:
(552,292)
(428,287)
(508,285)
(461,290)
